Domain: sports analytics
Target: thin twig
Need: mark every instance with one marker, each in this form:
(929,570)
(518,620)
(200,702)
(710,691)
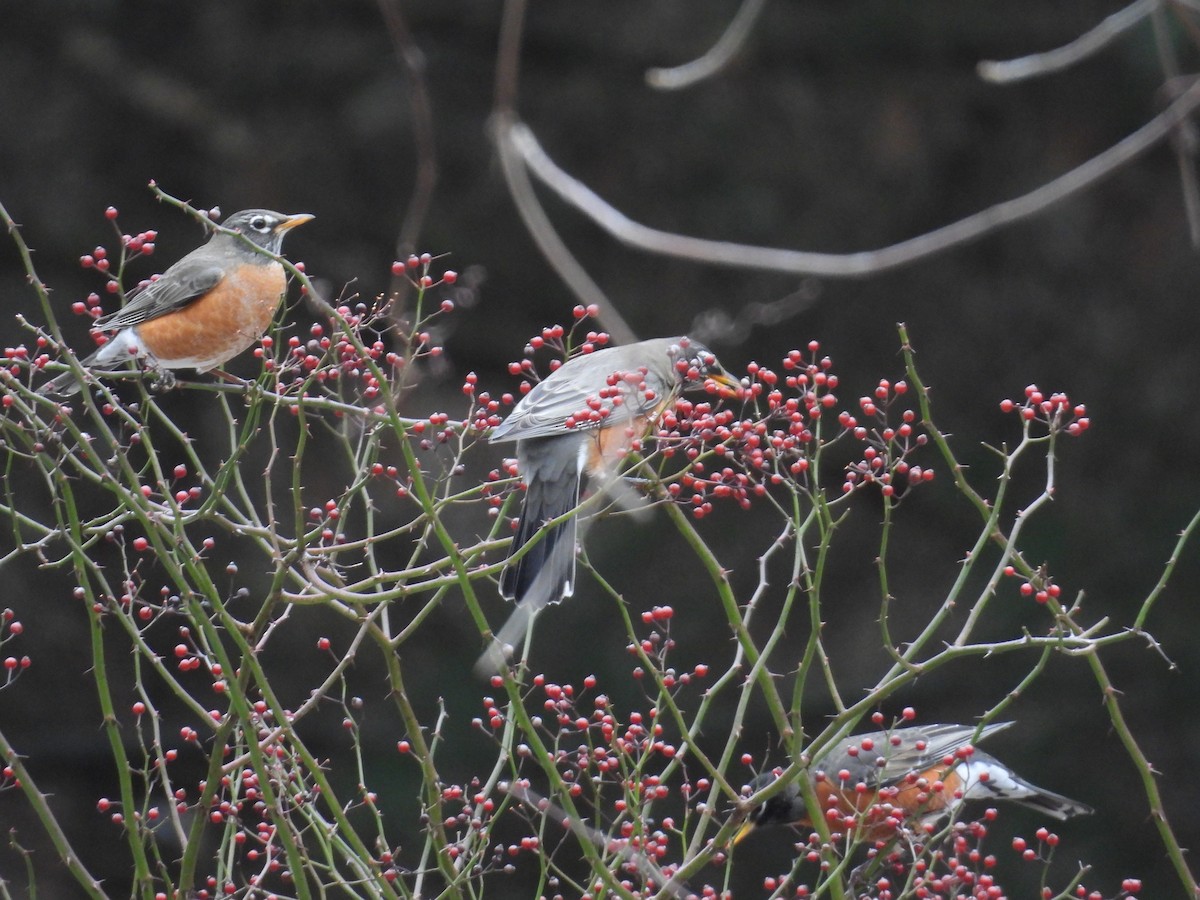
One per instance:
(421,108)
(1186,139)
(1087,44)
(547,238)
(586,834)
(508,68)
(718,56)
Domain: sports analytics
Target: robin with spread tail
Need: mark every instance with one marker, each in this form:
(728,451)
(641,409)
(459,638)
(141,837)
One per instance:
(583,418)
(205,309)
(893,778)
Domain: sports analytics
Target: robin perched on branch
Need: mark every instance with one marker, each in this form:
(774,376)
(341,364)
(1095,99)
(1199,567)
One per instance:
(205,309)
(888,779)
(583,418)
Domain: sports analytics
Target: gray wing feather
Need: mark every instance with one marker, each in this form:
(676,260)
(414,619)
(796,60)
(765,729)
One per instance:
(544,410)
(179,285)
(918,749)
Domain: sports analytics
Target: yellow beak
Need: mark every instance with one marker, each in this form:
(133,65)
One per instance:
(727,385)
(746,828)
(292,221)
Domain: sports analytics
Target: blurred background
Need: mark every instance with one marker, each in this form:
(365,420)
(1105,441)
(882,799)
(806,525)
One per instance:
(841,126)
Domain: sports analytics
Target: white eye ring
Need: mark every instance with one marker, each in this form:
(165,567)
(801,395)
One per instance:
(259,223)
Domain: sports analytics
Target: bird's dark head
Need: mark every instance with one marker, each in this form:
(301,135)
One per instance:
(783,808)
(697,365)
(265,227)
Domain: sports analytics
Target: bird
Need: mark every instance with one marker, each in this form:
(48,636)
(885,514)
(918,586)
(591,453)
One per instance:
(913,774)
(583,418)
(205,309)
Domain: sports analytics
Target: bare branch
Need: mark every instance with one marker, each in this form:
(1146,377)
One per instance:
(413,61)
(1088,43)
(1186,139)
(518,144)
(718,56)
(545,235)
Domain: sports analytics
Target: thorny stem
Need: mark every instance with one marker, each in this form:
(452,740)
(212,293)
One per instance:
(1110,694)
(720,581)
(1145,771)
(49,821)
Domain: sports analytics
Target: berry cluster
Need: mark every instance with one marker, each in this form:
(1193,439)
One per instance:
(888,444)
(619,770)
(11,629)
(113,269)
(1055,412)
(356,351)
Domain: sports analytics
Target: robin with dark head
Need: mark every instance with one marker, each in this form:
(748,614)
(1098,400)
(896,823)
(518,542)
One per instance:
(891,779)
(584,418)
(205,309)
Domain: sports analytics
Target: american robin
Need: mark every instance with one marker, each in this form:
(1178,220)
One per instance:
(205,309)
(892,778)
(584,417)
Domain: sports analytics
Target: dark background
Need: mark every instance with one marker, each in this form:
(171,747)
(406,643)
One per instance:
(842,126)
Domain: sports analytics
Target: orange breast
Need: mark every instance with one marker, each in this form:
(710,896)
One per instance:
(218,326)
(920,795)
(608,445)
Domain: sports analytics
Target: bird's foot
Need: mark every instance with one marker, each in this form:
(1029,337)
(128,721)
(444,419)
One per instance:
(164,380)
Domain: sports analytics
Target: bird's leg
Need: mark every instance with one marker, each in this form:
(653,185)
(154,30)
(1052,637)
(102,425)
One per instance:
(865,872)
(164,378)
(636,480)
(225,376)
(897,848)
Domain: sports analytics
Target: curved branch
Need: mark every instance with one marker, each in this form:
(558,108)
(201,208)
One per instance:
(517,140)
(718,56)
(1036,64)
(544,234)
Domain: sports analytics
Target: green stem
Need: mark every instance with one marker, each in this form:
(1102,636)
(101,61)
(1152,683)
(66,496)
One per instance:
(1145,771)
(1168,570)
(49,821)
(720,581)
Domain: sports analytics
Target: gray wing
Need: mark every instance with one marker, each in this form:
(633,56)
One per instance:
(574,388)
(176,288)
(918,749)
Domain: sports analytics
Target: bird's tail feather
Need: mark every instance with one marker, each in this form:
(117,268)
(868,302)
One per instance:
(64,385)
(987,779)
(1054,805)
(546,572)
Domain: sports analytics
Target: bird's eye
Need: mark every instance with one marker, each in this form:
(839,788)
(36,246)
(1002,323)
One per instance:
(260,223)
